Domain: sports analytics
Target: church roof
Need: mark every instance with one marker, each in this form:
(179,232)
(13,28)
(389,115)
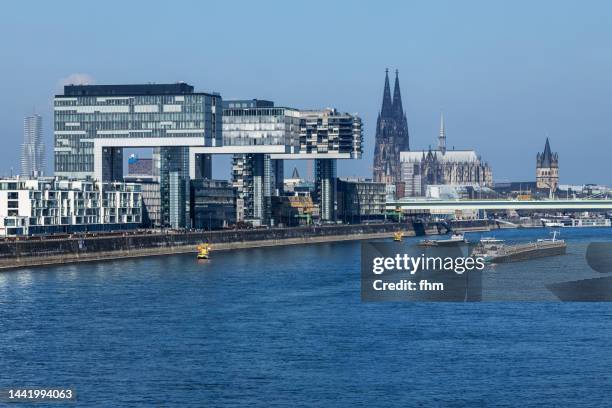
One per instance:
(450,156)
(295,174)
(546,158)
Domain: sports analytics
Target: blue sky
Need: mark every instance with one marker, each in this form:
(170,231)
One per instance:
(506,74)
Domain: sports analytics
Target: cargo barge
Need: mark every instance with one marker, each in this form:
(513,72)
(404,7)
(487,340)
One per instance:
(495,251)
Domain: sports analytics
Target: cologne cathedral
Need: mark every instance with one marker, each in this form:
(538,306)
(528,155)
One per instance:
(391,135)
(414,171)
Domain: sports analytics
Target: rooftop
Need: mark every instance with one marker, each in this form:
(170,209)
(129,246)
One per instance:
(452,156)
(179,88)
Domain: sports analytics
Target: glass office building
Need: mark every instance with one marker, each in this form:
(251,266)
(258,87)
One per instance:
(94,123)
(85,114)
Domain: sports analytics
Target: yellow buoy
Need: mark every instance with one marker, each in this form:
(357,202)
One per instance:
(397,236)
(204,251)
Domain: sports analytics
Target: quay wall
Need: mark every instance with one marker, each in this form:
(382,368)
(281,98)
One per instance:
(21,253)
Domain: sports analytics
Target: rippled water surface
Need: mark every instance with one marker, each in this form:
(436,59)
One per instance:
(285,325)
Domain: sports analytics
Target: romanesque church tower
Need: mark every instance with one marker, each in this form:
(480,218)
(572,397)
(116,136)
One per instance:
(547,169)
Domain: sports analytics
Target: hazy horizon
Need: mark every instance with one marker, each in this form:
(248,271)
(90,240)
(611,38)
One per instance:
(506,75)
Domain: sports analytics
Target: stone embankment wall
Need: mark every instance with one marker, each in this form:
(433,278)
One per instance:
(15,254)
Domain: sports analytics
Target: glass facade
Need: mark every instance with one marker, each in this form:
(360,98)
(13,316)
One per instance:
(260,127)
(85,113)
(360,199)
(178,199)
(325,186)
(213,204)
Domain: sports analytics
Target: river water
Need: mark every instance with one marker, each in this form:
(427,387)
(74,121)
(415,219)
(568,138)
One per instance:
(286,326)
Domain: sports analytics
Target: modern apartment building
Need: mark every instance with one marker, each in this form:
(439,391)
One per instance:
(50,205)
(360,199)
(327,135)
(270,135)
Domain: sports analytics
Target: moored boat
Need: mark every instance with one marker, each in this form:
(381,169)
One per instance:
(455,239)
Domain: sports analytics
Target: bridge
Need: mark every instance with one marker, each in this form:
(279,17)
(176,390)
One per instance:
(423,205)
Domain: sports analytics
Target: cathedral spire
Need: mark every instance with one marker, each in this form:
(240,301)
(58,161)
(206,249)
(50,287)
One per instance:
(397,97)
(387,104)
(442,136)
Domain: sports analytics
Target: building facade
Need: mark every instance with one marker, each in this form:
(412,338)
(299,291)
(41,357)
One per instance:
(213,204)
(547,169)
(33,148)
(442,166)
(259,124)
(391,135)
(48,205)
(360,200)
(294,210)
(151,202)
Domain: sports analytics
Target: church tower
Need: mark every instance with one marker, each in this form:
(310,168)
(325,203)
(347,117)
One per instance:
(391,135)
(442,136)
(547,169)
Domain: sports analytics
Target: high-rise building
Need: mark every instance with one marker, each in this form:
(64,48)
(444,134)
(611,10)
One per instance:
(258,128)
(328,135)
(178,200)
(93,123)
(32,149)
(391,135)
(267,135)
(547,169)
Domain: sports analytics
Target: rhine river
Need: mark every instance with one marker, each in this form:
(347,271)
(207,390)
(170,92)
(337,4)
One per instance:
(285,326)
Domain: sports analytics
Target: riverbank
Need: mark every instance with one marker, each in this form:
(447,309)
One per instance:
(28,253)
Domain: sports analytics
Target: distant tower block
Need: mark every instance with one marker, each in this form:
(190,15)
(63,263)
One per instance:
(547,169)
(32,149)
